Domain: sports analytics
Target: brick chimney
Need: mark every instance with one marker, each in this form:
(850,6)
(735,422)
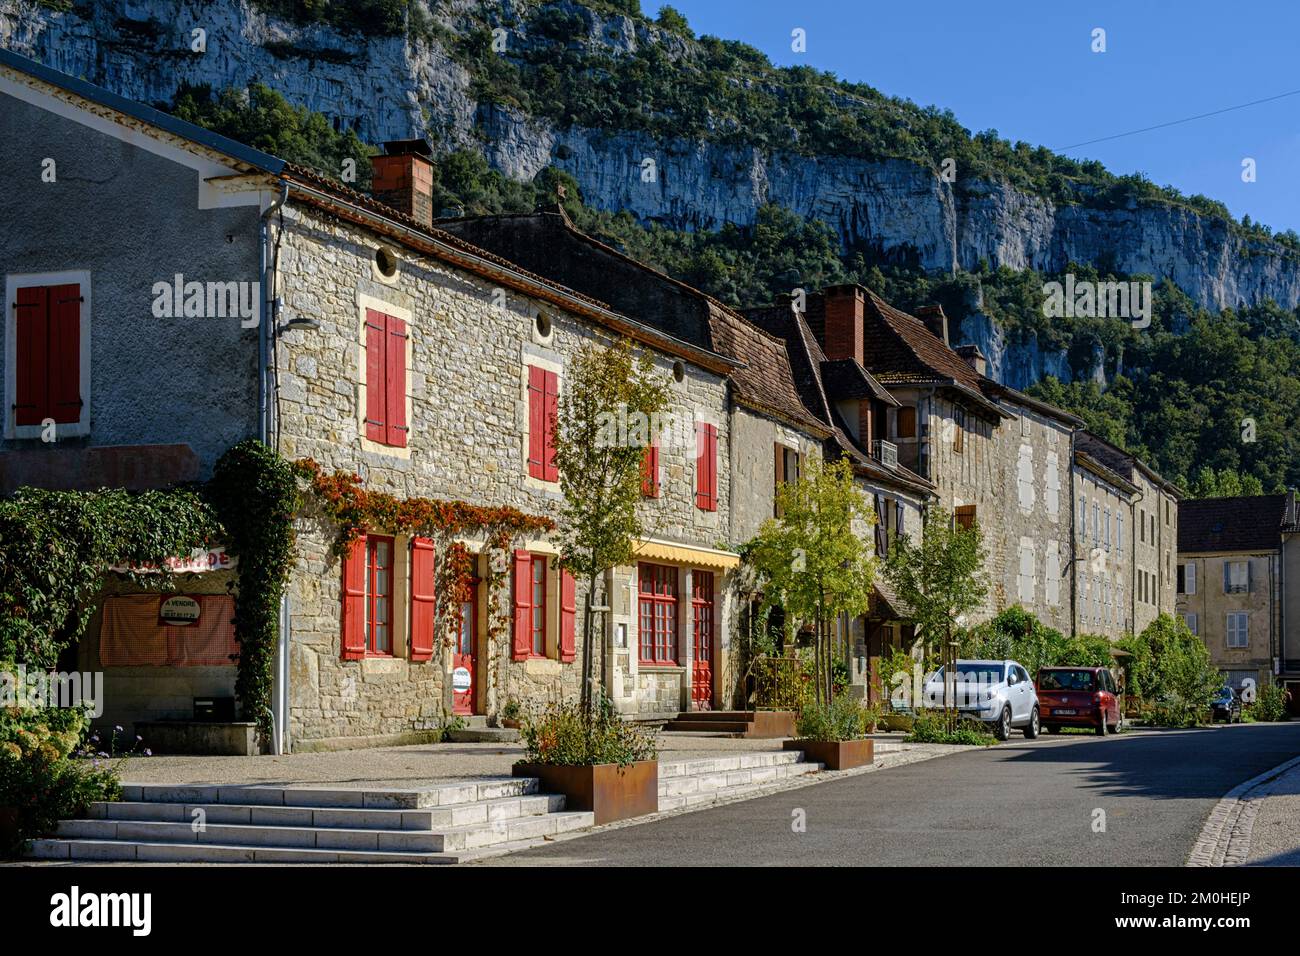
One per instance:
(974,358)
(404,178)
(935,320)
(843,333)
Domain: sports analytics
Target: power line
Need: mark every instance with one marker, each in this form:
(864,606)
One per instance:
(1186,119)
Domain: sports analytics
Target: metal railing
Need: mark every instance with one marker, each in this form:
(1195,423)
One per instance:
(777,683)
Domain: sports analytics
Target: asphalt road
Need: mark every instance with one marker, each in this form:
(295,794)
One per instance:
(1022,803)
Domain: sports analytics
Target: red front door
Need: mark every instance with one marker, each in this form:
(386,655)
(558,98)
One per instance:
(462,660)
(702,608)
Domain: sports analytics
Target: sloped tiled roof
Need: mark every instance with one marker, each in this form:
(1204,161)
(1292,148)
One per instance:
(807,360)
(1250,523)
(765,380)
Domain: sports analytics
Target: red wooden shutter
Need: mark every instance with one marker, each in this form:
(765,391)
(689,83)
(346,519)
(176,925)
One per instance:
(536,421)
(376,387)
(522,647)
(33,357)
(423,599)
(65,354)
(548,428)
(354,601)
(395,383)
(568,615)
(706,467)
(650,471)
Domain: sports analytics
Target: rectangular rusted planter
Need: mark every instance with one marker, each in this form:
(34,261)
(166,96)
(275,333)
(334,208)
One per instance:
(835,754)
(609,791)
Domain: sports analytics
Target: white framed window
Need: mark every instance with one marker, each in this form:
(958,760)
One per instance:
(1236,577)
(1107,529)
(1119,530)
(47,355)
(1052,575)
(1025,478)
(1096,523)
(1083,518)
(1193,623)
(1052,485)
(1026,573)
(1238,629)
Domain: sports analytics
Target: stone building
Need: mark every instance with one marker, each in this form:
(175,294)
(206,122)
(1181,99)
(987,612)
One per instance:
(786,399)
(1128,546)
(1234,559)
(374,344)
(993,456)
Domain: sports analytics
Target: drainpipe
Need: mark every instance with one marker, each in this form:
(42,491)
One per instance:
(266,327)
(1074,543)
(280,693)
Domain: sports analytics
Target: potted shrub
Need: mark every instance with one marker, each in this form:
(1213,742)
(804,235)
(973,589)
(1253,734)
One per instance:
(512,714)
(598,761)
(832,734)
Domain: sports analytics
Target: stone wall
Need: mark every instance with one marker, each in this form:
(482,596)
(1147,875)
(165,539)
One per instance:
(468,415)
(1104,575)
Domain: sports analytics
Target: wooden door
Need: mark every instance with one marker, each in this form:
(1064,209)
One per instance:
(703,613)
(462,659)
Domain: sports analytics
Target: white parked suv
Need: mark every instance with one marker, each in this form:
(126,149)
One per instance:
(999,693)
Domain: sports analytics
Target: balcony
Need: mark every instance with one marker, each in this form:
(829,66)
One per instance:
(885,452)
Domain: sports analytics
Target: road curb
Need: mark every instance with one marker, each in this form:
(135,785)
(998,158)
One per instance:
(1225,839)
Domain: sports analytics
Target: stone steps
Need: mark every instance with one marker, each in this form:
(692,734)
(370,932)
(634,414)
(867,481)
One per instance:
(443,823)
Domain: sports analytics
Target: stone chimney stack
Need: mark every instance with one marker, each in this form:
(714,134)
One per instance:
(974,358)
(843,336)
(404,178)
(935,321)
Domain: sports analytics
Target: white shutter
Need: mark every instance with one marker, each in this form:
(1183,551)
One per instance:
(1189,579)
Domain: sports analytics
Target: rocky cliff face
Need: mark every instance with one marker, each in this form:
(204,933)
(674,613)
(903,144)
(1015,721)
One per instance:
(392,88)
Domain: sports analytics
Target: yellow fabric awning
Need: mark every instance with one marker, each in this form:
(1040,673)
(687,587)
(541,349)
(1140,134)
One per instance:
(653,550)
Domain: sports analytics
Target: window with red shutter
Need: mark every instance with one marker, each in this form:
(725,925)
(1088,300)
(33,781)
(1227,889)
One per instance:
(354,601)
(650,471)
(522,644)
(386,337)
(423,599)
(395,383)
(706,466)
(536,419)
(47,376)
(376,392)
(657,614)
(568,616)
(543,408)
(552,473)
(379,595)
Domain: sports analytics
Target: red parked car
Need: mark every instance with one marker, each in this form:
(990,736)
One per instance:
(1079,697)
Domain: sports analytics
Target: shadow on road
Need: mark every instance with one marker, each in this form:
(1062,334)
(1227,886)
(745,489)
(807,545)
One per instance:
(1167,764)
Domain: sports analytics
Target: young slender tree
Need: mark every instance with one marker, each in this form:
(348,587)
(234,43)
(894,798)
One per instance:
(814,559)
(941,578)
(611,402)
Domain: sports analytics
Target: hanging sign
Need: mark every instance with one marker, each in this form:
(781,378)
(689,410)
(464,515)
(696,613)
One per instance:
(178,610)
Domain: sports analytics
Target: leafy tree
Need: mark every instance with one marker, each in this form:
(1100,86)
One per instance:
(1170,669)
(670,18)
(600,471)
(813,559)
(941,578)
(1224,483)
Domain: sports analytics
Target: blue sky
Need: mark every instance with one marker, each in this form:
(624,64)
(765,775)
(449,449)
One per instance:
(1026,69)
